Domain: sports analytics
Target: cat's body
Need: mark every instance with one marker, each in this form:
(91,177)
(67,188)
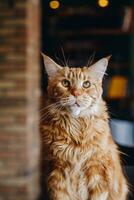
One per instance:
(85,162)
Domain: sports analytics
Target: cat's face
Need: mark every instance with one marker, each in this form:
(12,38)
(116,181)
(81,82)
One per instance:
(78,89)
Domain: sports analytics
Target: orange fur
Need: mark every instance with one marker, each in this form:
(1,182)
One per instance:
(76,138)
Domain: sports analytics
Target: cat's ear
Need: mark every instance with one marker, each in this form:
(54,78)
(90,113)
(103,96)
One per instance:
(51,67)
(99,68)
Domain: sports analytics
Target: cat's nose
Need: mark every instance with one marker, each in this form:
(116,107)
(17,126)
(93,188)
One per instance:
(75,92)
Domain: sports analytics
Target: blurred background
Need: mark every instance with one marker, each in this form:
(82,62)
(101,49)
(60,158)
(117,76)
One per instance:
(83,30)
(86,30)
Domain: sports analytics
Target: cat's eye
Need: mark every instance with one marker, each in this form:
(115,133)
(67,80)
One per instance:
(65,83)
(86,84)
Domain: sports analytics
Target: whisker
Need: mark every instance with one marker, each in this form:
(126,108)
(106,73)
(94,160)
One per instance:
(87,100)
(66,102)
(68,60)
(60,60)
(46,114)
(49,106)
(48,111)
(63,53)
(91,59)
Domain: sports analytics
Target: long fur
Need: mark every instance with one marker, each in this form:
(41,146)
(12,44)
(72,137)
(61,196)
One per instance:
(81,160)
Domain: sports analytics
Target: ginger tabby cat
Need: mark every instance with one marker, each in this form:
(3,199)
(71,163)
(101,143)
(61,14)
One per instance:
(84,162)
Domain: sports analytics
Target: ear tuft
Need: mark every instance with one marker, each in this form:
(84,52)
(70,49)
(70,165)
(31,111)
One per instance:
(98,69)
(108,57)
(51,67)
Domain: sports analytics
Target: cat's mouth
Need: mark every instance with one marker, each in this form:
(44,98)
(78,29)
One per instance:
(77,104)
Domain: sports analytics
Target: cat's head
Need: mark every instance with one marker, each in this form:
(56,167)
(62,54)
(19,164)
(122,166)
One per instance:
(77,89)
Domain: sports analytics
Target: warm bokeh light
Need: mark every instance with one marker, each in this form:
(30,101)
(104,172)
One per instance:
(103,3)
(54,4)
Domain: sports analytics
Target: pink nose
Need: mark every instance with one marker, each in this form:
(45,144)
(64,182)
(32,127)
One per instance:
(75,92)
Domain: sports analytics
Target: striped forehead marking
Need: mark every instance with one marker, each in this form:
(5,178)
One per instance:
(75,73)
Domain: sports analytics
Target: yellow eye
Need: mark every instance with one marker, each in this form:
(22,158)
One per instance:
(65,83)
(86,84)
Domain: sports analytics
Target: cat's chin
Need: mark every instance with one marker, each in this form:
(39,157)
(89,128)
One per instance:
(75,110)
(79,111)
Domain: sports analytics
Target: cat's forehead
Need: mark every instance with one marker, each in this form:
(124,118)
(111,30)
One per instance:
(73,72)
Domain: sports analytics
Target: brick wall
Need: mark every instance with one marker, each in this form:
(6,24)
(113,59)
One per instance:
(19,93)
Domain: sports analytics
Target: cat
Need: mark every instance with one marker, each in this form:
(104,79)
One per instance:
(82,159)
